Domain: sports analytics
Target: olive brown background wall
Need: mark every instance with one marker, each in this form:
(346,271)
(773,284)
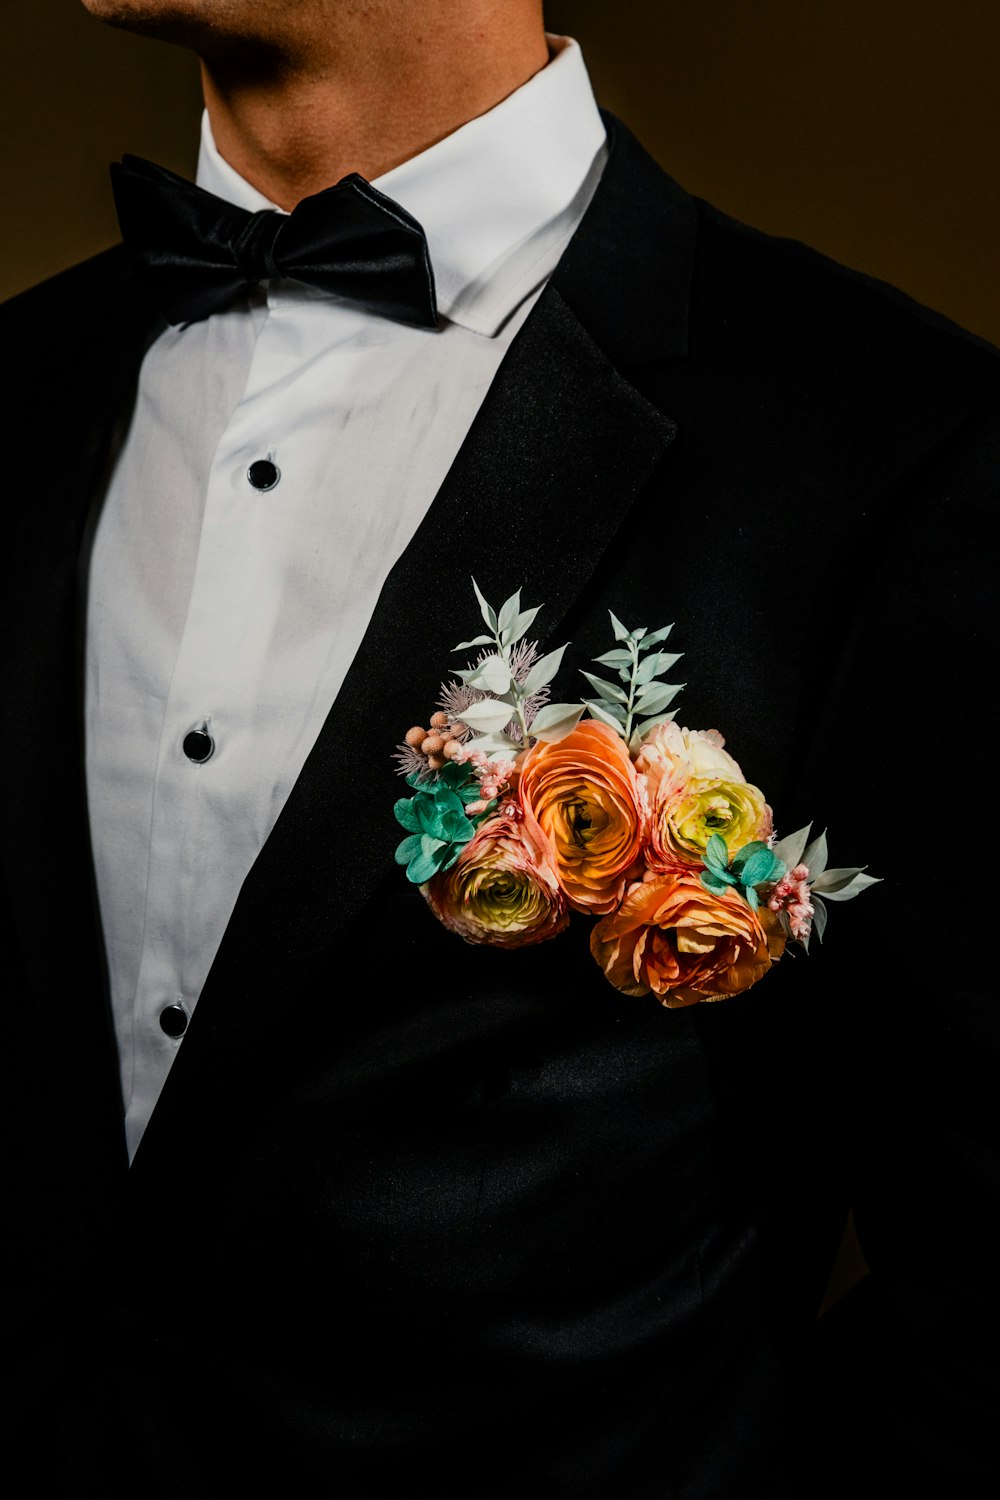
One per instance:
(869,128)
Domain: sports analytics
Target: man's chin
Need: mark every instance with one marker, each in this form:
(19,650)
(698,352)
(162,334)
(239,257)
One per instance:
(188,22)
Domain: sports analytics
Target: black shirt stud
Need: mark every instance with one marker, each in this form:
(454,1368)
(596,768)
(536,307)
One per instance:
(263,474)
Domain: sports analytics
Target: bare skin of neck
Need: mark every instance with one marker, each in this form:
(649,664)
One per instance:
(361,87)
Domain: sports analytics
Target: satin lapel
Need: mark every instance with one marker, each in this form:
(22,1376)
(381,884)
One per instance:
(559,451)
(88,348)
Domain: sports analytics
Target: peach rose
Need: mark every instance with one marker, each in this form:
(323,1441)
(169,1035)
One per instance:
(582,798)
(499,890)
(697,789)
(678,940)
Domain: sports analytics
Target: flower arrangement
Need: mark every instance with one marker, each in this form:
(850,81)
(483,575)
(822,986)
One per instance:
(524,811)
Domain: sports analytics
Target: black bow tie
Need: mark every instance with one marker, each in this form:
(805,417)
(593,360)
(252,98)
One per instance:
(196,252)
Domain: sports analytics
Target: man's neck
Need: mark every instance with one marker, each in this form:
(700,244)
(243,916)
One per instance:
(374,85)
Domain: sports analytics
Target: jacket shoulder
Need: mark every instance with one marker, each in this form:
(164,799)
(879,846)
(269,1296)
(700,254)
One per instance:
(816,319)
(67,304)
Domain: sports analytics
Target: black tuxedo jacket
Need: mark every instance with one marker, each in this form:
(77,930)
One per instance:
(412,1214)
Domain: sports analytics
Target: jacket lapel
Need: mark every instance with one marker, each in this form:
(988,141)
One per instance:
(560,449)
(90,345)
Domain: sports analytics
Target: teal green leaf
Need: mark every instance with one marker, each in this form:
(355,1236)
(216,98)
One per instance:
(408,849)
(717,853)
(758,868)
(428,861)
(752,898)
(406,814)
(715,883)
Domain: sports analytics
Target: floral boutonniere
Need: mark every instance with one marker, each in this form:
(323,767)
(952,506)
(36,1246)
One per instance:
(523,810)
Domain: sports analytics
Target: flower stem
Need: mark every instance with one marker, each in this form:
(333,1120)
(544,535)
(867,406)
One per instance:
(633,647)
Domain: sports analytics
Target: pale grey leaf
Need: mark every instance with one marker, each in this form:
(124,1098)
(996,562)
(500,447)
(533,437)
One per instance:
(657,696)
(603,712)
(488,614)
(608,691)
(477,640)
(543,672)
(487,716)
(554,714)
(858,884)
(815,856)
(820,915)
(791,848)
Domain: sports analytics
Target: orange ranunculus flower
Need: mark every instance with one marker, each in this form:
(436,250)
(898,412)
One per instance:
(581,797)
(696,789)
(500,890)
(674,937)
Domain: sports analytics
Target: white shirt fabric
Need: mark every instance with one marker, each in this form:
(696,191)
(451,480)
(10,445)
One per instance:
(212,603)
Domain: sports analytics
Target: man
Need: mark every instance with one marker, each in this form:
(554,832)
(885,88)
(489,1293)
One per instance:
(400,1211)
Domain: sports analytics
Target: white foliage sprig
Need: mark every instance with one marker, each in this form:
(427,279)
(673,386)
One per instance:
(510,700)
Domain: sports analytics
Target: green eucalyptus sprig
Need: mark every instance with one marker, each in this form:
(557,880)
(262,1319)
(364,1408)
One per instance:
(506,698)
(640,702)
(752,866)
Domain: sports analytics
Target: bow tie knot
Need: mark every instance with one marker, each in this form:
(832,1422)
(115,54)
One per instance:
(253,247)
(196,253)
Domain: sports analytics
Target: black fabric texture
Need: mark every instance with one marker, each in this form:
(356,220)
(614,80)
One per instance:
(413,1213)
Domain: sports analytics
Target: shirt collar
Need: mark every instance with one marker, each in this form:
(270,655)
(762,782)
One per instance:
(498,198)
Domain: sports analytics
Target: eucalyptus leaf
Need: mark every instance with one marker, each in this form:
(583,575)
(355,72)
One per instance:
(488,613)
(716,883)
(406,814)
(656,697)
(758,868)
(606,714)
(621,634)
(608,691)
(717,852)
(477,640)
(858,884)
(815,856)
(751,897)
(488,716)
(428,861)
(791,848)
(543,671)
(408,849)
(553,715)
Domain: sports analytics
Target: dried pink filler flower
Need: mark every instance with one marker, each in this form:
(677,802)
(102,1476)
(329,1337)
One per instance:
(792,897)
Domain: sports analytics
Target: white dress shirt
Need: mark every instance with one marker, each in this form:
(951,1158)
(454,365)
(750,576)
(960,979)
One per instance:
(215,606)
